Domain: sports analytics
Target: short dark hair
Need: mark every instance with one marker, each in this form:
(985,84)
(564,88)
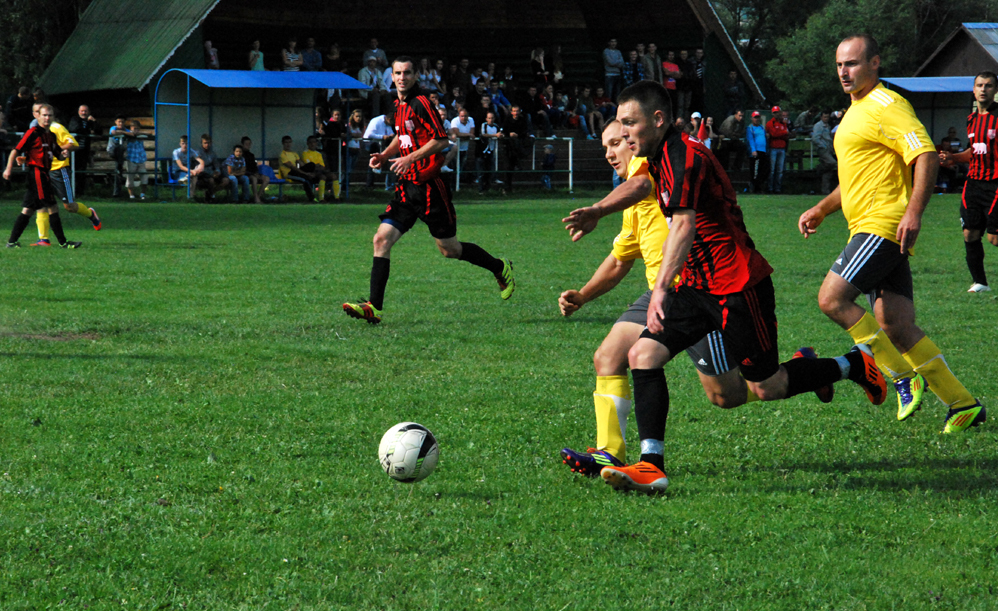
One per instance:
(245,138)
(870,45)
(285,138)
(650,96)
(988,75)
(122,117)
(183,138)
(404,59)
(312,137)
(236,146)
(206,137)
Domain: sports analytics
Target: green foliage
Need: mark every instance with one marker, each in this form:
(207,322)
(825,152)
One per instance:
(33,32)
(190,422)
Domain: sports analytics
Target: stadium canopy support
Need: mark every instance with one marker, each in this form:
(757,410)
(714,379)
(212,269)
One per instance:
(230,104)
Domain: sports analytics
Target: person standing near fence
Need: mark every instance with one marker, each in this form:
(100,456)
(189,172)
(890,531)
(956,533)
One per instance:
(85,127)
(755,142)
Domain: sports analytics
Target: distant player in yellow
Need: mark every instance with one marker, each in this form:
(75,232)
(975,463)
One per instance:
(642,234)
(879,144)
(315,167)
(62,184)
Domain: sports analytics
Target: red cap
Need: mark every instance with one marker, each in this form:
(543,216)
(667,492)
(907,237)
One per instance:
(776,109)
(755,113)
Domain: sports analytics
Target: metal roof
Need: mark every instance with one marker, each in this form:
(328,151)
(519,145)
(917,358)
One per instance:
(121,44)
(252,79)
(985,34)
(933,84)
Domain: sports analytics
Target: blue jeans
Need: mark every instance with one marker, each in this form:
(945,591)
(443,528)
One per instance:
(611,87)
(234,182)
(777,157)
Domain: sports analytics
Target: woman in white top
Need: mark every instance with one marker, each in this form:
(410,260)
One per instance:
(291,57)
(428,81)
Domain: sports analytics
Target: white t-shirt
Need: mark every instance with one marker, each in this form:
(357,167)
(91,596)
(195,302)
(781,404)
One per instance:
(465,129)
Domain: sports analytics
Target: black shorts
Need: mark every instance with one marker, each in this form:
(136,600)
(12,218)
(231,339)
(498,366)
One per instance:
(873,265)
(38,194)
(746,321)
(979,209)
(62,185)
(429,202)
(709,355)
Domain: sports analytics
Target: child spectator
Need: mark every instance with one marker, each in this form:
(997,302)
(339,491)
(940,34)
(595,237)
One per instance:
(258,181)
(235,172)
(256,57)
(135,158)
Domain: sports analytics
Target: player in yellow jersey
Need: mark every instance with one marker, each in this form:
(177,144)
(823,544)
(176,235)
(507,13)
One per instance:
(315,167)
(642,234)
(878,144)
(62,185)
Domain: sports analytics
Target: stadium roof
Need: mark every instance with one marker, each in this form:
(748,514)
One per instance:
(933,84)
(120,45)
(251,79)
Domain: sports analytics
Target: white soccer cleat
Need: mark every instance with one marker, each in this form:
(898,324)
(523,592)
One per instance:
(977,287)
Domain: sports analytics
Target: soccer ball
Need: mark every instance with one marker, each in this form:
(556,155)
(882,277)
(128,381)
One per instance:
(408,452)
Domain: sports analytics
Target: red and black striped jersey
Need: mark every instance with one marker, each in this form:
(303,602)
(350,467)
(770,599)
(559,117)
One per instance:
(38,145)
(723,258)
(416,123)
(981,132)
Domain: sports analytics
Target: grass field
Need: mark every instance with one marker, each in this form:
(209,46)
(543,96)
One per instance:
(189,421)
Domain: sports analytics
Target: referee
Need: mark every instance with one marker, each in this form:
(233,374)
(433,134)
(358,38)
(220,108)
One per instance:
(979,209)
(420,194)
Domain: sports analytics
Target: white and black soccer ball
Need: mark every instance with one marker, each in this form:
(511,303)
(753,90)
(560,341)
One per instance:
(408,452)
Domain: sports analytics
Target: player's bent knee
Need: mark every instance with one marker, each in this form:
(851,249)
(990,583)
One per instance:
(609,362)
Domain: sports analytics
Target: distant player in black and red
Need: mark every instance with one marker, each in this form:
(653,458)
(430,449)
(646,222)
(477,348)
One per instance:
(979,211)
(37,148)
(725,286)
(420,194)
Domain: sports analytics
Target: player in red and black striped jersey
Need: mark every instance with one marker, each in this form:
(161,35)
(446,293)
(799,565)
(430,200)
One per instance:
(420,194)
(725,287)
(979,212)
(36,150)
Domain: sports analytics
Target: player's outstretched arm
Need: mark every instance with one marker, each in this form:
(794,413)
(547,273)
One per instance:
(675,250)
(961,157)
(581,221)
(605,278)
(809,221)
(926,171)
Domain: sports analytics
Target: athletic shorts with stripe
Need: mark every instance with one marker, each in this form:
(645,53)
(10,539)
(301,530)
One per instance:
(38,194)
(979,209)
(62,185)
(873,264)
(745,320)
(709,355)
(429,202)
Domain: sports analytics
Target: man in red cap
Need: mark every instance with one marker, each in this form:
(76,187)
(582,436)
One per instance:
(779,136)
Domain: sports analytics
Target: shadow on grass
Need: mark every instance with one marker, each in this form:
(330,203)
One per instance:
(91,357)
(938,474)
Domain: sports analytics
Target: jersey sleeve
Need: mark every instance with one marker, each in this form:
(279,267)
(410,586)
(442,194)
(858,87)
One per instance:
(689,172)
(27,140)
(63,137)
(626,246)
(429,117)
(903,132)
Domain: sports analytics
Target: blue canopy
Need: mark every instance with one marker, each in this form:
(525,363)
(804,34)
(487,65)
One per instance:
(260,79)
(933,84)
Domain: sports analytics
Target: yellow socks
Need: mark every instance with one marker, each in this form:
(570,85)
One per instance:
(336,189)
(84,211)
(750,397)
(42,220)
(926,359)
(868,331)
(322,189)
(613,403)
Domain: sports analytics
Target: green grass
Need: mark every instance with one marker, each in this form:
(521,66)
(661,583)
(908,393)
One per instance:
(190,421)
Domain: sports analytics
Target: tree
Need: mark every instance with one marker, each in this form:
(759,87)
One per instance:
(34,31)
(908,31)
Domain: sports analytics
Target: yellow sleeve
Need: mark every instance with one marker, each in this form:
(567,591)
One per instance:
(626,246)
(902,131)
(63,137)
(637,166)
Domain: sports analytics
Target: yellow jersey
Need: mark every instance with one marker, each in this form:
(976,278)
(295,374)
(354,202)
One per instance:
(644,228)
(287,157)
(62,137)
(876,142)
(313,157)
